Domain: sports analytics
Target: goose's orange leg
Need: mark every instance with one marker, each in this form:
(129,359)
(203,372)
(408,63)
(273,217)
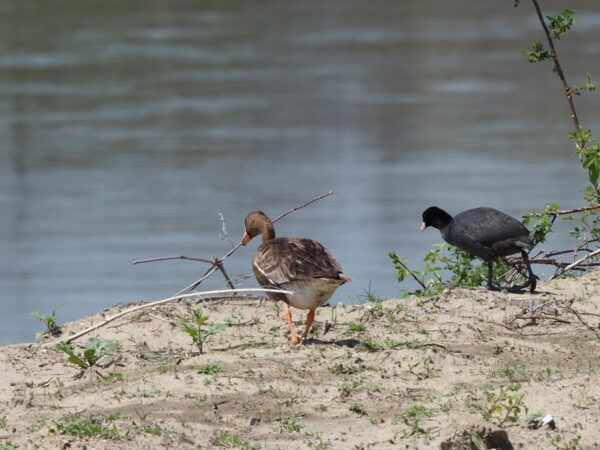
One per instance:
(287,314)
(310,317)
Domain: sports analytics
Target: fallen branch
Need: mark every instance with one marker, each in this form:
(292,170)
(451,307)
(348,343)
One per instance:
(515,261)
(576,263)
(156,303)
(587,325)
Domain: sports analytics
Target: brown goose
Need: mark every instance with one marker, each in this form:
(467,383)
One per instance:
(300,265)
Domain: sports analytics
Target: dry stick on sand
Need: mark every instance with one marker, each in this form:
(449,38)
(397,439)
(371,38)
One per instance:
(576,263)
(156,303)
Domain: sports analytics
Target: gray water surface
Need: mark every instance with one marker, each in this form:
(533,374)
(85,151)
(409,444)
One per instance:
(126,127)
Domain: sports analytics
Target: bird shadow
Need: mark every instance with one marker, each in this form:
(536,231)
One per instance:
(350,343)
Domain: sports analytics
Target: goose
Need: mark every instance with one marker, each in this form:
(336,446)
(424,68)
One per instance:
(486,233)
(300,265)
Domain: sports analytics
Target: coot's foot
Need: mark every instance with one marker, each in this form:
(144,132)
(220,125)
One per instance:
(531,283)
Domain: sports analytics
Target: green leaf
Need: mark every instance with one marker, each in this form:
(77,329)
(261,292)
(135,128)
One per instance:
(561,23)
(588,85)
(97,348)
(537,53)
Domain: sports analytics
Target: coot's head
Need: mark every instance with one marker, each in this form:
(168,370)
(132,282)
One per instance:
(257,223)
(435,217)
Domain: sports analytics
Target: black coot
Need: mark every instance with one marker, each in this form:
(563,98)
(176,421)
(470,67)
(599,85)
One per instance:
(484,232)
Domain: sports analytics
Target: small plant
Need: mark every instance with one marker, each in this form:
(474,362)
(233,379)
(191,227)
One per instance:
(290,425)
(2,422)
(200,400)
(372,345)
(358,409)
(113,377)
(501,406)
(514,372)
(348,388)
(373,303)
(227,439)
(546,374)
(317,443)
(423,369)
(97,353)
(429,278)
(412,417)
(357,327)
(466,271)
(7,446)
(52,329)
(561,443)
(209,369)
(80,426)
(196,329)
(346,369)
(151,429)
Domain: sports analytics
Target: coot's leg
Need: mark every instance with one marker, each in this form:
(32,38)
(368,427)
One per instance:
(490,286)
(531,278)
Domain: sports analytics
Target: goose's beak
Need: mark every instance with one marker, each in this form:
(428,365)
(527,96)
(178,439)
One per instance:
(423,226)
(246,239)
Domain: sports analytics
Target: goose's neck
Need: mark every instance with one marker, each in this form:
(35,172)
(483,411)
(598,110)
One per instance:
(268,232)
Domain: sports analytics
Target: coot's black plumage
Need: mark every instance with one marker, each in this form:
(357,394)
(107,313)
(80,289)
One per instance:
(484,232)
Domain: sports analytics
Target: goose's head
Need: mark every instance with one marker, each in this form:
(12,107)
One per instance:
(257,223)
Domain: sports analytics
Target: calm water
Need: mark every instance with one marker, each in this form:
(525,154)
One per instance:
(126,127)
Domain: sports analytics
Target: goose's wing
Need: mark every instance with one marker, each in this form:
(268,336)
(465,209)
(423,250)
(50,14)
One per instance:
(283,260)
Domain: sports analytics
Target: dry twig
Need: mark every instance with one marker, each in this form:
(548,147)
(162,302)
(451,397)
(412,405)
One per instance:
(579,262)
(156,303)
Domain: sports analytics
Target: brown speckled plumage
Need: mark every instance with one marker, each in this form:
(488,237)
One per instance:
(279,261)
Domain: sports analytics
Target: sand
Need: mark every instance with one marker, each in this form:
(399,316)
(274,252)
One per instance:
(469,369)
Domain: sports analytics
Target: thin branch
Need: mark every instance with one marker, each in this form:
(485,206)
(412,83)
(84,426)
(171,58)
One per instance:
(587,325)
(558,253)
(573,211)
(302,206)
(167,258)
(577,263)
(219,265)
(559,70)
(156,303)
(515,261)
(412,274)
